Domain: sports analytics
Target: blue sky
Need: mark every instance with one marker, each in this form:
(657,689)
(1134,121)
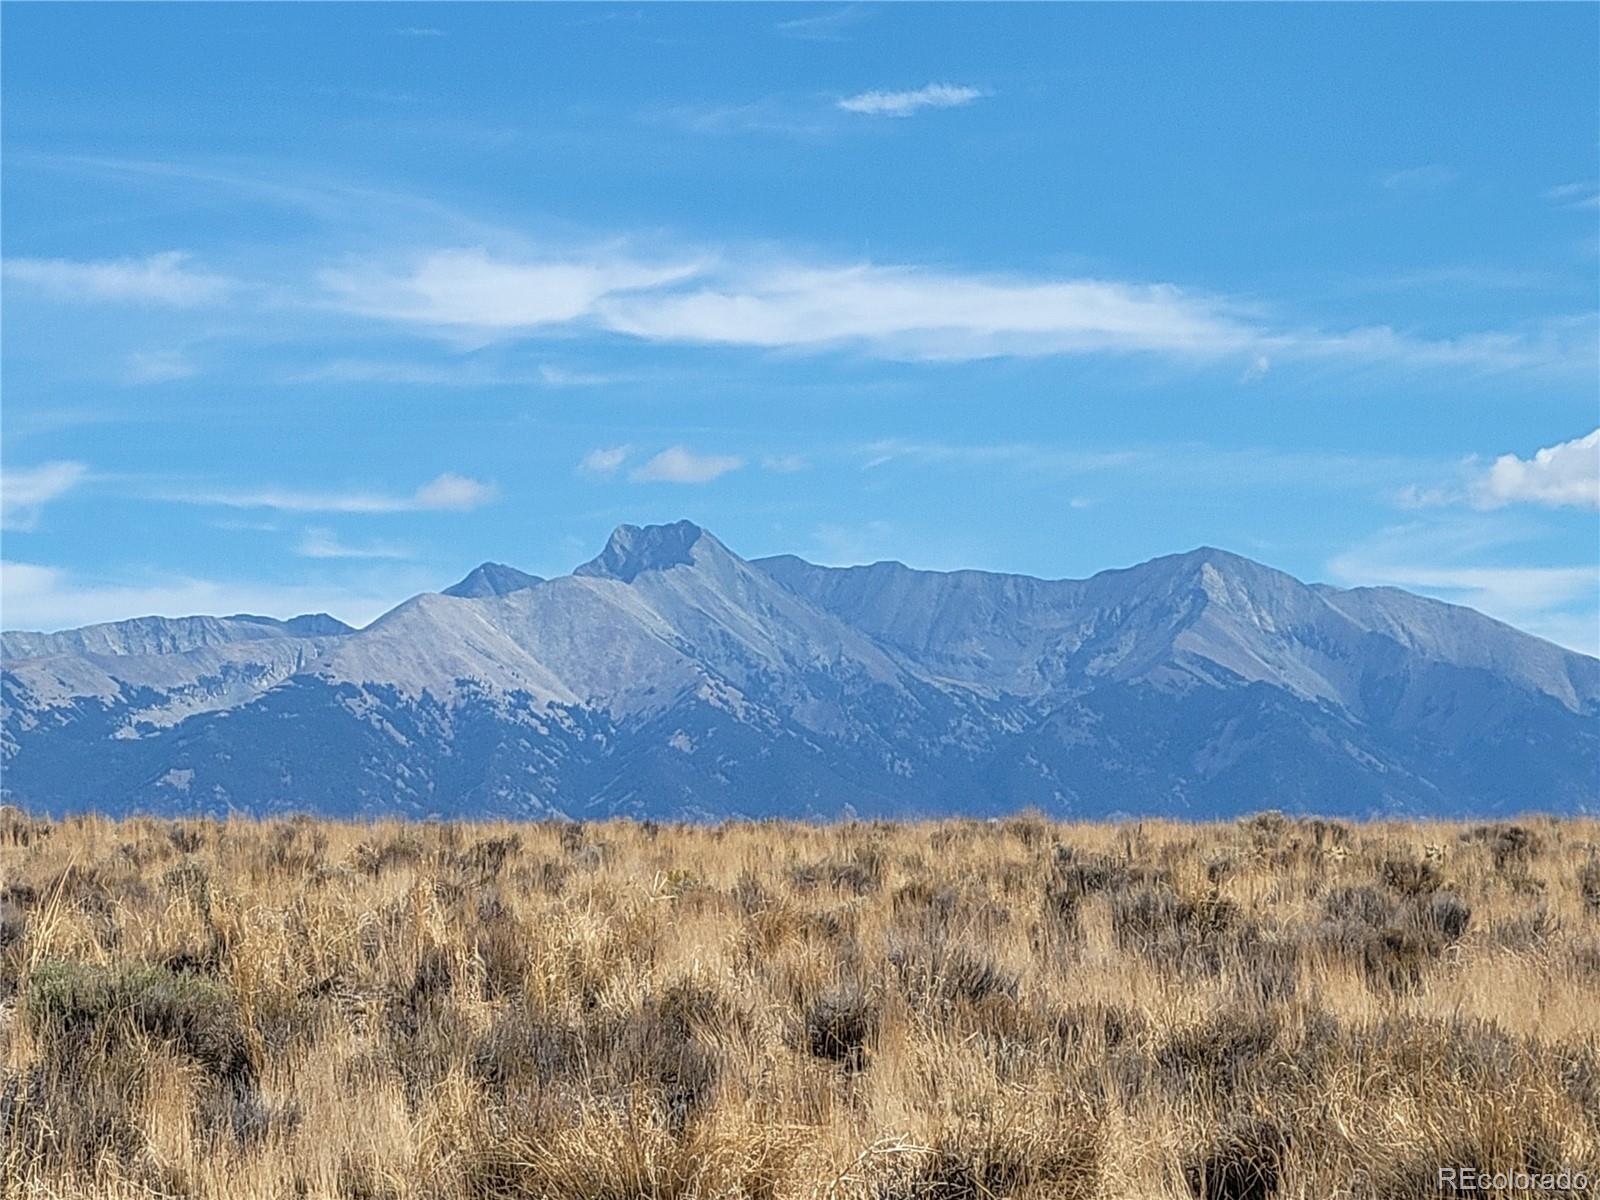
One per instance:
(317,306)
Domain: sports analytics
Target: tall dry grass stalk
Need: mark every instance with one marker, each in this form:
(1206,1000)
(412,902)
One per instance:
(953,1011)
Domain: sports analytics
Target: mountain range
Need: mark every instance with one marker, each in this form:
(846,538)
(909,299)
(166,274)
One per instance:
(669,678)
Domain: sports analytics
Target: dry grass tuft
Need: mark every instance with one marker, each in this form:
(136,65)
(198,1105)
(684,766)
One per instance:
(1272,1010)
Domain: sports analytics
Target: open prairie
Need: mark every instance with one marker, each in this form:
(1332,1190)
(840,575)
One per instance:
(621,1011)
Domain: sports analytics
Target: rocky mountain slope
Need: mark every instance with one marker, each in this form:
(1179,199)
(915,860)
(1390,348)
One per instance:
(668,677)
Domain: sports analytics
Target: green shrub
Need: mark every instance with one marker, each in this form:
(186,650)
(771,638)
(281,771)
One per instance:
(69,1002)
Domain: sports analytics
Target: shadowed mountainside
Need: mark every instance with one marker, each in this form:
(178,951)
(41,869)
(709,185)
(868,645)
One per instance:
(668,677)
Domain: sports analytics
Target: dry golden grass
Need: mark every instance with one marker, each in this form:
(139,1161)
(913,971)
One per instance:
(954,1011)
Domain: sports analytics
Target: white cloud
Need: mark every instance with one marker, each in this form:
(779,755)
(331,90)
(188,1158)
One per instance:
(1567,343)
(605,460)
(680,465)
(463,293)
(1566,475)
(448,492)
(47,598)
(1454,279)
(1009,456)
(850,545)
(455,493)
(467,373)
(158,279)
(1578,631)
(158,366)
(324,543)
(747,297)
(1415,496)
(1575,195)
(903,104)
(554,376)
(237,525)
(24,491)
(1419,179)
(771,115)
(910,313)
(358,209)
(450,374)
(1461,559)
(1170,467)
(1511,590)
(469,289)
(1531,598)
(829,27)
(785,464)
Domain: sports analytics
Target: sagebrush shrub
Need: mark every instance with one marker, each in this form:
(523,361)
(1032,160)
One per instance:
(1017,1010)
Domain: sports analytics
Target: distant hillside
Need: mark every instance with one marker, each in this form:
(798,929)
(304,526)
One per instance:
(669,677)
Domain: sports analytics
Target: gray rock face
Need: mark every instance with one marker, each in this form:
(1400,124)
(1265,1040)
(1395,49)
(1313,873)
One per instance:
(633,550)
(1186,614)
(165,635)
(668,677)
(491,579)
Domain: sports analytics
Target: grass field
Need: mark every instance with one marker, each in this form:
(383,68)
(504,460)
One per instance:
(952,1011)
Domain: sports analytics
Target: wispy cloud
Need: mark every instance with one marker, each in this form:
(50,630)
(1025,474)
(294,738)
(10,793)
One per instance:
(785,464)
(239,525)
(1514,590)
(332,201)
(471,289)
(1566,475)
(320,542)
(604,461)
(1578,194)
(410,373)
(35,596)
(455,373)
(157,279)
(1419,179)
(159,366)
(24,491)
(454,493)
(422,31)
(751,295)
(1009,455)
(826,27)
(1180,466)
(923,314)
(748,297)
(677,464)
(1461,559)
(565,377)
(1459,277)
(905,104)
(1561,344)
(850,545)
(446,493)
(779,115)
(1531,598)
